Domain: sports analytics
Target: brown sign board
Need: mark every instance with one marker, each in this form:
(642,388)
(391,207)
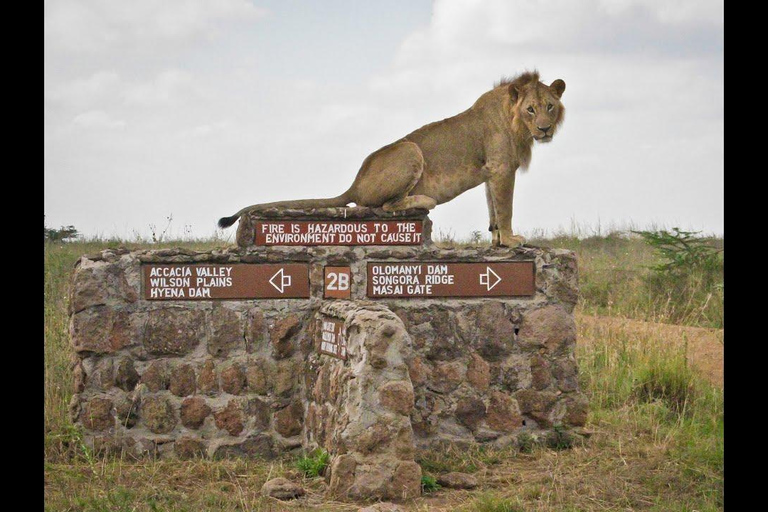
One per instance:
(337,283)
(451,279)
(352,232)
(235,281)
(333,337)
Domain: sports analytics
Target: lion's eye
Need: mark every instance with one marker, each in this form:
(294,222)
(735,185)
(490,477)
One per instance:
(530,110)
(550,106)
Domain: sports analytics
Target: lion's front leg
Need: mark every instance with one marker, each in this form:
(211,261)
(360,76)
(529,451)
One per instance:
(501,188)
(493,225)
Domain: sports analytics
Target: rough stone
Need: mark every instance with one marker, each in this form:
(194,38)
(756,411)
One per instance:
(536,404)
(566,373)
(233,379)
(173,331)
(78,376)
(158,414)
(541,377)
(258,446)
(457,480)
(281,335)
(207,382)
(550,327)
(373,439)
(256,332)
(285,377)
(260,411)
(126,376)
(127,410)
(182,380)
(103,374)
(100,330)
(342,474)
(227,332)
(478,373)
(383,506)
(444,343)
(257,376)
(397,396)
(491,333)
(503,413)
(282,489)
(230,418)
(406,481)
(288,421)
(189,448)
(97,284)
(194,410)
(577,409)
(155,377)
(97,414)
(470,411)
(447,376)
(418,371)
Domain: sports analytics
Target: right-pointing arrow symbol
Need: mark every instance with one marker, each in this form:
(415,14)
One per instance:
(284,281)
(487,280)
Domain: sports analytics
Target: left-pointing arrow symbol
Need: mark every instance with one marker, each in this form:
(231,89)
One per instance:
(283,281)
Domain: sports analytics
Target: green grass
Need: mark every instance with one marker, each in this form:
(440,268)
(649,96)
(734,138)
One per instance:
(429,484)
(314,463)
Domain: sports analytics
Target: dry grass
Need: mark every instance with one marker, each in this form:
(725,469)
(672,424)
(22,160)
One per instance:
(656,424)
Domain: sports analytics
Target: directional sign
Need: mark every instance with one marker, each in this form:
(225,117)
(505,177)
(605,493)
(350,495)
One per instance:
(234,281)
(338,232)
(333,337)
(451,279)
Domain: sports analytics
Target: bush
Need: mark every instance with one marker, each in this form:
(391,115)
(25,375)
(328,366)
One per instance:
(688,283)
(63,234)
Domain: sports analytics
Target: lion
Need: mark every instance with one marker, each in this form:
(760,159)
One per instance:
(486,143)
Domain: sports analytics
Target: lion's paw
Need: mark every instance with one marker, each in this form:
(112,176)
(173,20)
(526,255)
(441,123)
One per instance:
(511,241)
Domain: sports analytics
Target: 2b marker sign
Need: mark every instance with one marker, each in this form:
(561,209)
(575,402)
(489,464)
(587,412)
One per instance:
(337,283)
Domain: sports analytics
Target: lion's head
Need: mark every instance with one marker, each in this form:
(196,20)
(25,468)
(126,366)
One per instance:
(536,107)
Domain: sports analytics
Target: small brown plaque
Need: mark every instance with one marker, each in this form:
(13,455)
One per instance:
(333,337)
(352,232)
(451,279)
(235,281)
(338,282)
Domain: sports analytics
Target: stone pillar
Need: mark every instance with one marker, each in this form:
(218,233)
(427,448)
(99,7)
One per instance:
(359,409)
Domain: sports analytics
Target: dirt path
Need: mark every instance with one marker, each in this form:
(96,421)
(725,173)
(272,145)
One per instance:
(705,346)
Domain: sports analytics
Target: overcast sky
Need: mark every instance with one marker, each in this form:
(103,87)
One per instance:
(196,108)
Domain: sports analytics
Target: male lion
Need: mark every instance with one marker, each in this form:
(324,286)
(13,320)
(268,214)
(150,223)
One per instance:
(485,144)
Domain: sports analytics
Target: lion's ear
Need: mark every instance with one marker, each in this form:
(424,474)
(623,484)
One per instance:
(514,92)
(558,88)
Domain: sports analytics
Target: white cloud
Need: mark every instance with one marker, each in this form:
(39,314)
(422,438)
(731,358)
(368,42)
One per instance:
(100,26)
(97,119)
(82,92)
(169,86)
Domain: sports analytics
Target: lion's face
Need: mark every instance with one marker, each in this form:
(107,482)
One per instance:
(538,107)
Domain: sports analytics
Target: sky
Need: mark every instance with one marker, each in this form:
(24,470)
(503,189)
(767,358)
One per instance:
(164,116)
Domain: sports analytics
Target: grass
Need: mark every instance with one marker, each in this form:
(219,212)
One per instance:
(314,464)
(655,428)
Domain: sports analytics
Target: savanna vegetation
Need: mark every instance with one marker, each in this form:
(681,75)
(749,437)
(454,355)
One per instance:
(650,321)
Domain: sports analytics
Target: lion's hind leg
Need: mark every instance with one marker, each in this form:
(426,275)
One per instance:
(389,175)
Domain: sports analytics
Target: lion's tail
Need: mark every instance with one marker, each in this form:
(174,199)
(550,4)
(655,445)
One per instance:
(330,202)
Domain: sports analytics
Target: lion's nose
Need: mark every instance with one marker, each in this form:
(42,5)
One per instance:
(545,129)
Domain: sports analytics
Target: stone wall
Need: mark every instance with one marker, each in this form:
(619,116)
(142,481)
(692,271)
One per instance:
(240,378)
